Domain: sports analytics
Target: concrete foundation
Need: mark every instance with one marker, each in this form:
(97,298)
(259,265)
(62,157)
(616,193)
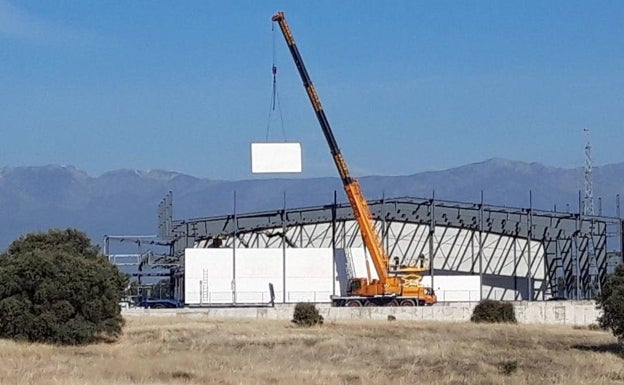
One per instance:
(574,313)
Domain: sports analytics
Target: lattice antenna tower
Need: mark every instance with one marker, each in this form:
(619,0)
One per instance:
(588,201)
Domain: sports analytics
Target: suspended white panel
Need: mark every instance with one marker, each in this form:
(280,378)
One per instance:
(275,157)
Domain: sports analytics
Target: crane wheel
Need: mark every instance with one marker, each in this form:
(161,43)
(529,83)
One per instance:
(394,302)
(408,302)
(370,303)
(353,303)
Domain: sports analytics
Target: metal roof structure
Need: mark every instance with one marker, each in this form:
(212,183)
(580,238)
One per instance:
(520,253)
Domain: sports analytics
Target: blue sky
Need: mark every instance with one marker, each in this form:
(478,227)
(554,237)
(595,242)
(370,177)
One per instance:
(408,86)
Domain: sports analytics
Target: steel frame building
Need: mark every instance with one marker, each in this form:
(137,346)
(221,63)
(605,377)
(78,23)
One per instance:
(519,253)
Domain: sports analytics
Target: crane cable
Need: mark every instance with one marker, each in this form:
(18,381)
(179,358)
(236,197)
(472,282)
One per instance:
(275,101)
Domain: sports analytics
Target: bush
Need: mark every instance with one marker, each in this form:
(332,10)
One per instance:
(306,314)
(55,287)
(595,327)
(592,327)
(494,311)
(509,367)
(611,301)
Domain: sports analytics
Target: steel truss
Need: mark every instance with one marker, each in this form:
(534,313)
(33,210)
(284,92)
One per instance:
(519,253)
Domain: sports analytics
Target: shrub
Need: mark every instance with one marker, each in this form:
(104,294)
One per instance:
(494,311)
(595,327)
(508,367)
(611,301)
(306,314)
(56,288)
(592,327)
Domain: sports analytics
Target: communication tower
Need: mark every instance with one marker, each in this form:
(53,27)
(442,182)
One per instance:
(588,201)
(588,210)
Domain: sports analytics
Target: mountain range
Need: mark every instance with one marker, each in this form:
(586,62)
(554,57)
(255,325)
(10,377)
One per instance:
(125,201)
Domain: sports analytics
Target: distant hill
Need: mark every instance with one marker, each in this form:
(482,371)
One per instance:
(125,201)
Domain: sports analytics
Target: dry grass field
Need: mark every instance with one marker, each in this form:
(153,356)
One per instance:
(199,350)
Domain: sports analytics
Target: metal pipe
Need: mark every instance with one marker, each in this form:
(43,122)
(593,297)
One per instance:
(432,225)
(284,250)
(333,242)
(234,252)
(529,238)
(600,206)
(480,250)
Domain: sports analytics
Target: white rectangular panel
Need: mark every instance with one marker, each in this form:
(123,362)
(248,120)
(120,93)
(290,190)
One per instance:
(275,157)
(207,276)
(255,269)
(309,275)
(455,288)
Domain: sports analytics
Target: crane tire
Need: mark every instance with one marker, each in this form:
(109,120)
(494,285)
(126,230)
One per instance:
(353,303)
(408,302)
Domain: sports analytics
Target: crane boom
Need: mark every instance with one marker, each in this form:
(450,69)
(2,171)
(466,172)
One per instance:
(352,188)
(403,286)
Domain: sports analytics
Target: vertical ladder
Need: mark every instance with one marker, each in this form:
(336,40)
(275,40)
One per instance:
(205,294)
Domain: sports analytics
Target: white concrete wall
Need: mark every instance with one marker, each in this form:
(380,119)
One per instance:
(213,276)
(255,269)
(572,313)
(208,276)
(455,288)
(310,276)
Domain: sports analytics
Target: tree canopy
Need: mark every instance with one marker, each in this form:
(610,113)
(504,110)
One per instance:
(611,301)
(55,287)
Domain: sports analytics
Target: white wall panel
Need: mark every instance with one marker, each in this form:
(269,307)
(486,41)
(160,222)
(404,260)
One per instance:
(275,157)
(309,274)
(207,276)
(255,269)
(453,288)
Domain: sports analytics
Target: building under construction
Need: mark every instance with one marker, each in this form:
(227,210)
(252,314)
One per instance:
(517,253)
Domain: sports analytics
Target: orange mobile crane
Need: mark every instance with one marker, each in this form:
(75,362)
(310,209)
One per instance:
(401,286)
